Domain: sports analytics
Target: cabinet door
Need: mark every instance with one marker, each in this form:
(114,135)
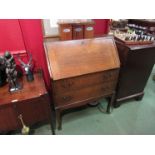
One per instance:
(8,118)
(34,110)
(78,32)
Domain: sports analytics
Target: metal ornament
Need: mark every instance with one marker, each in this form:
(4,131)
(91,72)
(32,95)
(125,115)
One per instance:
(27,67)
(11,72)
(25,129)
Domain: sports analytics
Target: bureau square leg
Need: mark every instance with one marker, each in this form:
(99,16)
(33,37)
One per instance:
(139,98)
(51,121)
(111,103)
(58,119)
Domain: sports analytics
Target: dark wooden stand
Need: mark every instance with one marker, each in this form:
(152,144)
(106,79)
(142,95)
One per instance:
(136,65)
(32,102)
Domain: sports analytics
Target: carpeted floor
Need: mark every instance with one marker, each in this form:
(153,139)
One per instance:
(134,117)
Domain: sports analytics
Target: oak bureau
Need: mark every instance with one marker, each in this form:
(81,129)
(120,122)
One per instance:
(82,71)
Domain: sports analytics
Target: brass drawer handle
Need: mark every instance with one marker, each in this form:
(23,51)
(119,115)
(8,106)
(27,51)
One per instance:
(67,98)
(67,84)
(109,76)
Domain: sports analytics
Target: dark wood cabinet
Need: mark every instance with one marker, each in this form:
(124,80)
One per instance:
(32,102)
(82,71)
(136,65)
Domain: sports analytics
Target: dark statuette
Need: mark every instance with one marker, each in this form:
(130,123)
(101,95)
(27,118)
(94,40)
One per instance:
(2,71)
(27,67)
(11,72)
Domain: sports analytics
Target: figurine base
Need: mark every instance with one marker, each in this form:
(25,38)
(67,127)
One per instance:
(15,89)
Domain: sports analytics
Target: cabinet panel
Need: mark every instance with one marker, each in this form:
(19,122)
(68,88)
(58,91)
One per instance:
(34,110)
(8,118)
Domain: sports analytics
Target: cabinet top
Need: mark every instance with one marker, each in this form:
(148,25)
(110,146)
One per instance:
(30,90)
(136,47)
(78,57)
(78,22)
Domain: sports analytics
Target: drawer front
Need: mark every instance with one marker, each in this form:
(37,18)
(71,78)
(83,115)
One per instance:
(84,94)
(62,86)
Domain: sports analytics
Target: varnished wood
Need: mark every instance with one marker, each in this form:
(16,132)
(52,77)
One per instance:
(74,58)
(37,86)
(78,31)
(82,71)
(79,82)
(89,31)
(94,91)
(65,32)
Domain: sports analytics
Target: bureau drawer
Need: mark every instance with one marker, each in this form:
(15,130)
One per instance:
(61,86)
(87,93)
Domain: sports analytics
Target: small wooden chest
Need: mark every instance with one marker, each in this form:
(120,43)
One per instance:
(82,71)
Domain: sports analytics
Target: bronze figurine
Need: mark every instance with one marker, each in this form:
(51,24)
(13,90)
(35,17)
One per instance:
(11,72)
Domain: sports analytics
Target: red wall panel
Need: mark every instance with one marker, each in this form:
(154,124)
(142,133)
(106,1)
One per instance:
(33,37)
(101,26)
(10,35)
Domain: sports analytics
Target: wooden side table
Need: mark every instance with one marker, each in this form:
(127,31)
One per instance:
(32,102)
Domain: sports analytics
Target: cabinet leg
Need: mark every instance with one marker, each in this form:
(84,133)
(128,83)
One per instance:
(59,119)
(139,98)
(110,104)
(117,105)
(52,125)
